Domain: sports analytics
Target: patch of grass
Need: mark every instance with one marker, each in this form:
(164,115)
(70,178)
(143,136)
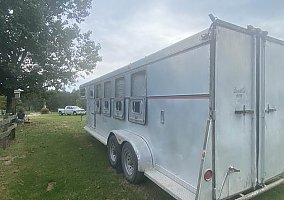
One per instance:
(53,158)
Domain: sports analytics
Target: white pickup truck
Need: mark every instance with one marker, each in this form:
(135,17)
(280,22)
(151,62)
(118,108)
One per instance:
(71,110)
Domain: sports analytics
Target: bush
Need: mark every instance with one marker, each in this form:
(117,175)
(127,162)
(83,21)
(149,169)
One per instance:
(20,110)
(44,111)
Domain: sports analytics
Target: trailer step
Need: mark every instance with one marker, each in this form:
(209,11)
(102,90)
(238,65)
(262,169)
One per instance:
(261,190)
(173,188)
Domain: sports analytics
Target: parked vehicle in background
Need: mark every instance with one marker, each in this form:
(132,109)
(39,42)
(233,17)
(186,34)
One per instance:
(71,110)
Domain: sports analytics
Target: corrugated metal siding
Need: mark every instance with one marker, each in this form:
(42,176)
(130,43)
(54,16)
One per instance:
(138,84)
(107,89)
(120,87)
(91,92)
(98,91)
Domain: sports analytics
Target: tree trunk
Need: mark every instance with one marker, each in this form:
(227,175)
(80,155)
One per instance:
(9,105)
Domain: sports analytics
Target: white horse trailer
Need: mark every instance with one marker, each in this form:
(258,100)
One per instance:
(203,118)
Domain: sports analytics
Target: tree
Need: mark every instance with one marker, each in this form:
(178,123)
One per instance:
(54,100)
(42,46)
(61,99)
(2,103)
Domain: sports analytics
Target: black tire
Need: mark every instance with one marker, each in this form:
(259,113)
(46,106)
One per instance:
(129,163)
(60,113)
(74,113)
(114,152)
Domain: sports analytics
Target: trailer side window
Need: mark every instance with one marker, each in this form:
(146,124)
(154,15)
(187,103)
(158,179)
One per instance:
(83,92)
(91,93)
(98,106)
(118,106)
(107,95)
(106,105)
(137,109)
(137,102)
(119,100)
(98,96)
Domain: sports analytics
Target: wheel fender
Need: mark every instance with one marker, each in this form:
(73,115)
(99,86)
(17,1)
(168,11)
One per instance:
(140,146)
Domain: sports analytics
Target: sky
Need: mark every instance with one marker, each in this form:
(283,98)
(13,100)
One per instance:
(129,30)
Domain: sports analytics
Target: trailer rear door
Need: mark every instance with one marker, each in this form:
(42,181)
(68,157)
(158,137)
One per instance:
(272,136)
(235,162)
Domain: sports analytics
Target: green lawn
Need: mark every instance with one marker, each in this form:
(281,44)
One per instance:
(53,158)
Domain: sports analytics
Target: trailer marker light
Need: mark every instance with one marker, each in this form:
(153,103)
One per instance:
(208,175)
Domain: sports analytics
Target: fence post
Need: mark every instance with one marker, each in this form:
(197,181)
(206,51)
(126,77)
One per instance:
(7,131)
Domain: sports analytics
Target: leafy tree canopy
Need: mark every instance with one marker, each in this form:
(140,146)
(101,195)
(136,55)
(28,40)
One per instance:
(42,46)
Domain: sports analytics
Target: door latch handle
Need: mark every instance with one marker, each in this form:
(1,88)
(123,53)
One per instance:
(233,169)
(244,111)
(269,110)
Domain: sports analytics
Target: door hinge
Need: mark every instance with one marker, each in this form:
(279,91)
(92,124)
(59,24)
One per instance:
(213,114)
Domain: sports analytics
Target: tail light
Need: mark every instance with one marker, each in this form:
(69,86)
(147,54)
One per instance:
(208,175)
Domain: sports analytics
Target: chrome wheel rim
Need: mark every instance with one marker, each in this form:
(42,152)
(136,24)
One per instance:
(128,163)
(112,152)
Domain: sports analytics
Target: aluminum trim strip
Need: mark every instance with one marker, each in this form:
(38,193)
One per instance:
(192,96)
